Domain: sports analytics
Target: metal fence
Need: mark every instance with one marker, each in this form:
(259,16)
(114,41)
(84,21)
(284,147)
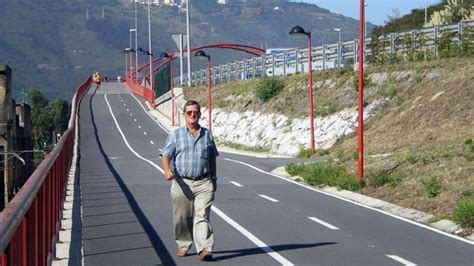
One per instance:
(29,223)
(329,55)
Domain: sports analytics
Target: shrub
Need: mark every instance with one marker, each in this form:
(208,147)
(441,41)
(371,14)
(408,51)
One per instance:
(379,178)
(463,215)
(326,174)
(432,186)
(267,87)
(412,159)
(323,152)
(467,192)
(304,153)
(293,169)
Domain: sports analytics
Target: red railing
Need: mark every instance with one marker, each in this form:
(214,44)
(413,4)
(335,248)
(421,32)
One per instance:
(29,224)
(146,93)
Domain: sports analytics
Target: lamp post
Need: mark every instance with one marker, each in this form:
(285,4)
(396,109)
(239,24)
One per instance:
(127,59)
(188,39)
(149,45)
(136,39)
(339,32)
(298,31)
(426,14)
(150,54)
(339,54)
(131,49)
(200,54)
(360,129)
(166,55)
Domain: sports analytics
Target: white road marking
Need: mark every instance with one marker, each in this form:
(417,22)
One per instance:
(144,132)
(235,184)
(135,119)
(268,198)
(125,139)
(151,141)
(356,203)
(401,260)
(128,110)
(131,114)
(226,218)
(330,226)
(282,260)
(139,126)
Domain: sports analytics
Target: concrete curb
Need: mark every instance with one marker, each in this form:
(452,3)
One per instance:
(407,213)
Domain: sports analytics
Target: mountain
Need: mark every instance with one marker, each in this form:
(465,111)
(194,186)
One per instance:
(54,45)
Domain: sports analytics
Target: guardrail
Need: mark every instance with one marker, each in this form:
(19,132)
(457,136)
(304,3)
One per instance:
(323,57)
(30,222)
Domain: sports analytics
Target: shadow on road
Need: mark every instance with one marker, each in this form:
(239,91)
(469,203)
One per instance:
(158,246)
(253,251)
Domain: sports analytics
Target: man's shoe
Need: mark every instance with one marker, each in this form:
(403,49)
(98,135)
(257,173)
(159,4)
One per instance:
(205,255)
(182,252)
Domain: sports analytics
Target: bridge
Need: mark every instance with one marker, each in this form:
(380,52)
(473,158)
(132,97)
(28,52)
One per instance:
(100,198)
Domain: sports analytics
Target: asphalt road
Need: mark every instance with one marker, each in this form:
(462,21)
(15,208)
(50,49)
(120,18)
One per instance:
(258,218)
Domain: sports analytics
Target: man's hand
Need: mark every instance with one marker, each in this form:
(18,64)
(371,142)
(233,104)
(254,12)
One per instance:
(169,175)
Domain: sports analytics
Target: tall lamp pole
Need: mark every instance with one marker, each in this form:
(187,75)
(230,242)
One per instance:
(188,40)
(136,40)
(200,54)
(131,50)
(360,126)
(171,57)
(298,31)
(149,45)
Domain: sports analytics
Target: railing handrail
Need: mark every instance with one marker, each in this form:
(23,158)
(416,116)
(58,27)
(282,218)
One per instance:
(15,210)
(334,52)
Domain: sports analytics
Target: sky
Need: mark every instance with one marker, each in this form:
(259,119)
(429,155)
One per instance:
(377,11)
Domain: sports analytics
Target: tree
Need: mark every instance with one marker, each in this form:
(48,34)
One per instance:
(60,110)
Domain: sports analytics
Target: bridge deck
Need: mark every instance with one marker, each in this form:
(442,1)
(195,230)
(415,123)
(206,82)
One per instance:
(126,207)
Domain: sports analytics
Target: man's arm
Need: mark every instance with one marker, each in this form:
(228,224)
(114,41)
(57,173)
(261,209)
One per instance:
(166,162)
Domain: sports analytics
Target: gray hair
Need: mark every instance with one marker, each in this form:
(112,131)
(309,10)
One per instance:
(190,103)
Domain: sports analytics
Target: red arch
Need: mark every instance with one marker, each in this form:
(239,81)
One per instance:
(233,46)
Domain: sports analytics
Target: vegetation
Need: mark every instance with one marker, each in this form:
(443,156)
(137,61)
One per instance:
(463,215)
(317,174)
(267,87)
(47,118)
(243,147)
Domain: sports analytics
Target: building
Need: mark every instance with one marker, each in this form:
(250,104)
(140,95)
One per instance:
(16,157)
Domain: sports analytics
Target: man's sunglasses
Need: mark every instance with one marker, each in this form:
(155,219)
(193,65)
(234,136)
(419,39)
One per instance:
(190,113)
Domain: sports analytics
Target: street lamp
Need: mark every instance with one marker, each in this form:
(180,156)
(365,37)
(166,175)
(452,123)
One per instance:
(132,50)
(201,55)
(339,31)
(360,130)
(166,55)
(150,54)
(136,39)
(149,45)
(188,39)
(298,31)
(127,59)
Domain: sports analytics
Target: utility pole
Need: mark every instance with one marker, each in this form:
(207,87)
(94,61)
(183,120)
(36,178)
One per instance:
(189,42)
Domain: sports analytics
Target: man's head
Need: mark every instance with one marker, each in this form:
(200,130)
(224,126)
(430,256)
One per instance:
(192,112)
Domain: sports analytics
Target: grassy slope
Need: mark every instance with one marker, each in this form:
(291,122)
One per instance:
(417,134)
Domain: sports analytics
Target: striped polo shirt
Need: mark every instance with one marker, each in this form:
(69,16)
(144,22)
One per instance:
(191,156)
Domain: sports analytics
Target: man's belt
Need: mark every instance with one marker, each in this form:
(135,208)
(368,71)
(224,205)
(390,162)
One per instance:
(206,175)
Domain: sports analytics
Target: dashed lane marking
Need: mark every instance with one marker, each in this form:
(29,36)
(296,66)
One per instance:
(321,222)
(235,184)
(268,198)
(401,260)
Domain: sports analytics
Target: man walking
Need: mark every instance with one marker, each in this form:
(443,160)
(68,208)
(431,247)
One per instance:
(193,152)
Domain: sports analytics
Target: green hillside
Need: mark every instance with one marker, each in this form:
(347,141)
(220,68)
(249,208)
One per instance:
(53,45)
